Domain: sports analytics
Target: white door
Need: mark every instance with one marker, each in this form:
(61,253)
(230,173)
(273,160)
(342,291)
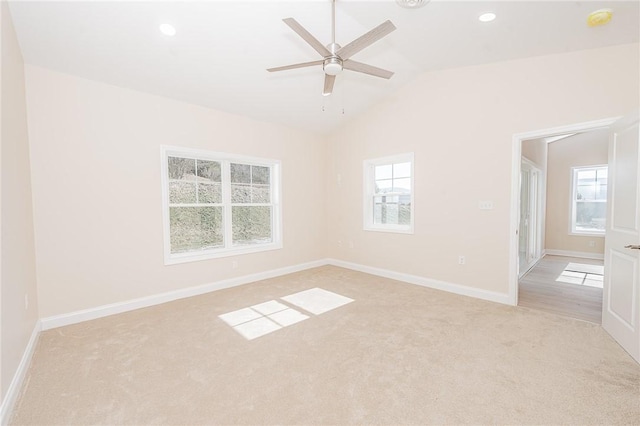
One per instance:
(620,316)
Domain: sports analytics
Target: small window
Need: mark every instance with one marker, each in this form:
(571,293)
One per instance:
(589,200)
(388,194)
(218,205)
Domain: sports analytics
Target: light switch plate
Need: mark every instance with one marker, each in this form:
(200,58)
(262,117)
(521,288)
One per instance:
(485,205)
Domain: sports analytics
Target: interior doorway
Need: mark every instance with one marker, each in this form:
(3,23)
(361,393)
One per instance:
(523,247)
(565,276)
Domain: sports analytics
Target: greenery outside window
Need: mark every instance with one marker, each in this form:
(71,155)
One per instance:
(217,205)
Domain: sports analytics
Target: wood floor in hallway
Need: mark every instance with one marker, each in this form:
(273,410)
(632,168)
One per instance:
(552,286)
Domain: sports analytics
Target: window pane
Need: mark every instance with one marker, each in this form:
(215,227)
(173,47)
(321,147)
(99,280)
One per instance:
(209,171)
(240,193)
(402,185)
(384,172)
(386,210)
(195,228)
(601,192)
(401,170)
(404,214)
(590,216)
(240,173)
(383,186)
(182,175)
(586,192)
(182,192)
(209,193)
(182,168)
(251,225)
(586,176)
(260,194)
(260,175)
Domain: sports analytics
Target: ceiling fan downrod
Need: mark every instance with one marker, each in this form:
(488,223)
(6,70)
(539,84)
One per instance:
(332,65)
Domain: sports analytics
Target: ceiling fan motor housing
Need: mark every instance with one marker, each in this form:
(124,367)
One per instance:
(332,65)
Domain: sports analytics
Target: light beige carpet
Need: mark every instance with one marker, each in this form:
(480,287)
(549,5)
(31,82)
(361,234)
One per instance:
(397,354)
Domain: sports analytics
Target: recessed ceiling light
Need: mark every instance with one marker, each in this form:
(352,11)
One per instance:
(487,17)
(412,4)
(599,17)
(168,29)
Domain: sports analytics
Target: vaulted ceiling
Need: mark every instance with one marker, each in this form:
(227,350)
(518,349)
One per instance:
(219,55)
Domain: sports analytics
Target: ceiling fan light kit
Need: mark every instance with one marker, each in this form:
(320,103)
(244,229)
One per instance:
(336,58)
(332,66)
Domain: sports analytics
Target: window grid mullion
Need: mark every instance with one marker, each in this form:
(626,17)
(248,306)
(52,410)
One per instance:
(196,184)
(226,200)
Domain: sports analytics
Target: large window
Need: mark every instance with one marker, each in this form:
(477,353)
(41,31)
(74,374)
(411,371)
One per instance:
(388,197)
(589,200)
(218,205)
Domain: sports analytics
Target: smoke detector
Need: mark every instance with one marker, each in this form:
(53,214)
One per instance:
(599,17)
(412,4)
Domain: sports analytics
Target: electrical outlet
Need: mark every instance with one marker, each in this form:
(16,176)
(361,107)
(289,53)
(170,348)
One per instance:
(234,264)
(592,243)
(461,260)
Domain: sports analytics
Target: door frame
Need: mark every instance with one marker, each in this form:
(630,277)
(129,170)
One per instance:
(516,158)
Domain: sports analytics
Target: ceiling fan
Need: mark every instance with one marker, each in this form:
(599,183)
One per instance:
(335,58)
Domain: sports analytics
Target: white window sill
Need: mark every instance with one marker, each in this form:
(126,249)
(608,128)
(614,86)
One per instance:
(174,259)
(587,234)
(389,229)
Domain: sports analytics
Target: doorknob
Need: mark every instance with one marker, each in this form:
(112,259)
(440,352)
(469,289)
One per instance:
(633,247)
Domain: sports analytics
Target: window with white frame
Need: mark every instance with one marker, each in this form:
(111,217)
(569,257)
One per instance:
(589,200)
(388,194)
(218,204)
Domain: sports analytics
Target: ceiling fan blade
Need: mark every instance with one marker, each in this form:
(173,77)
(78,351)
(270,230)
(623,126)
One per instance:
(306,36)
(328,84)
(366,40)
(294,66)
(366,69)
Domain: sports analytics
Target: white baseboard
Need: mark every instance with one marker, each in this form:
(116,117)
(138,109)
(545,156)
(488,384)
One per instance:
(426,282)
(156,299)
(143,302)
(13,391)
(582,254)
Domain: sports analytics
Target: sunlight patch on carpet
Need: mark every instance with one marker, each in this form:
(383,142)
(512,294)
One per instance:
(317,301)
(264,318)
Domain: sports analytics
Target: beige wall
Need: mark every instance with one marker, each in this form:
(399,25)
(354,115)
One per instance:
(585,149)
(18,276)
(460,124)
(96,180)
(535,150)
